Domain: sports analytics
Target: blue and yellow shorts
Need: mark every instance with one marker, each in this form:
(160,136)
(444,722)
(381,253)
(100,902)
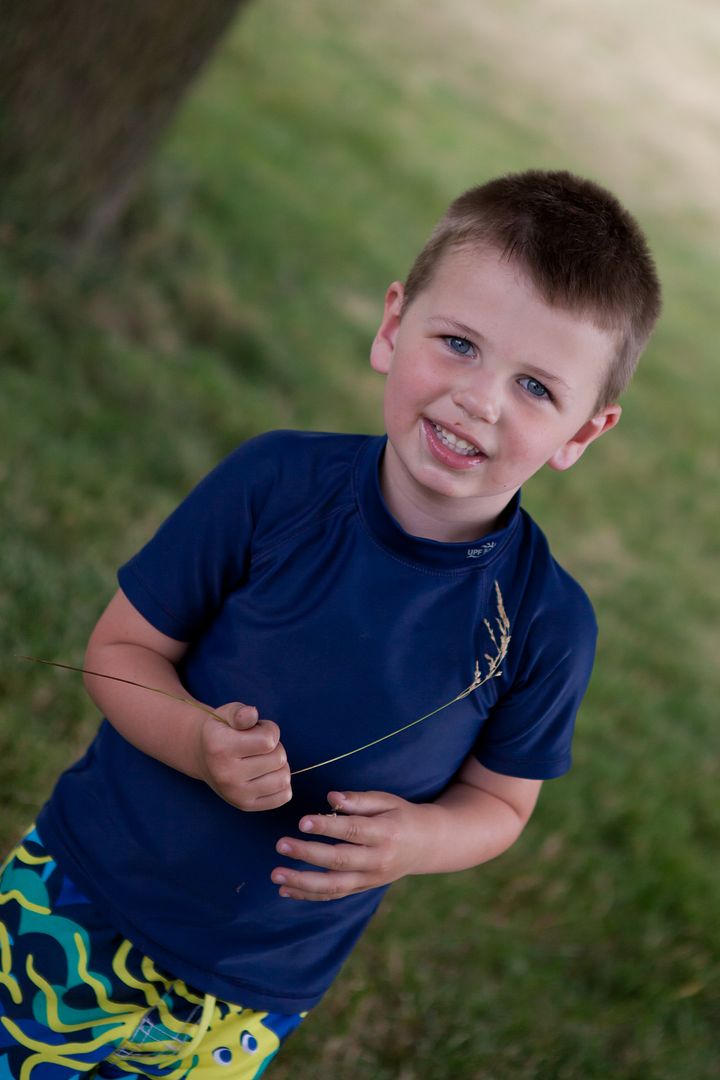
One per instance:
(78,998)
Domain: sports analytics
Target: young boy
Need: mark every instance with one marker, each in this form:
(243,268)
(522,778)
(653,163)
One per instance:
(161,920)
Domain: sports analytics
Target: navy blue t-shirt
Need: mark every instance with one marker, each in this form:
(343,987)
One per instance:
(302,595)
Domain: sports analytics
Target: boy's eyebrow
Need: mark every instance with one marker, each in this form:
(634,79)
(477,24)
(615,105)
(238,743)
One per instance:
(453,324)
(547,376)
(442,322)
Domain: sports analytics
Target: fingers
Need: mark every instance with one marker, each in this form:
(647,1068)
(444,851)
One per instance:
(364,860)
(311,885)
(242,717)
(238,716)
(267,783)
(260,739)
(265,792)
(258,751)
(340,857)
(363,802)
(243,759)
(244,754)
(278,795)
(260,775)
(353,829)
(377,833)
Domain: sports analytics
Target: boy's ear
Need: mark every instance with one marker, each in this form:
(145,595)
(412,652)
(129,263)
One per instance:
(383,346)
(591,430)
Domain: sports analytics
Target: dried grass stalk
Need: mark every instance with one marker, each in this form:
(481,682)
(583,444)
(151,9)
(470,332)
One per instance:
(499,638)
(501,642)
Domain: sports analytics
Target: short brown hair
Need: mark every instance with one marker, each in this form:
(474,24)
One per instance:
(578,245)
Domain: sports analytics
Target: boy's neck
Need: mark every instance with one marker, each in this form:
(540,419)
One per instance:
(446,520)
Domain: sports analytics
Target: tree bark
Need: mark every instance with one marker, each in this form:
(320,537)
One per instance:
(86,89)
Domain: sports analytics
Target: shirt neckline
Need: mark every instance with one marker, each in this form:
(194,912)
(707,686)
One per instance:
(428,554)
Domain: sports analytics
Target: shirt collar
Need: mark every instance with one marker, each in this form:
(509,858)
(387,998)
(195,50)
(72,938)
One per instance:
(429,554)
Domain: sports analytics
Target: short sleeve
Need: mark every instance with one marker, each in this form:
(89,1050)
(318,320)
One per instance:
(179,579)
(530,728)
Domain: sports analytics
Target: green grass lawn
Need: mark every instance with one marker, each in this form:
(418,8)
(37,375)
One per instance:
(301,176)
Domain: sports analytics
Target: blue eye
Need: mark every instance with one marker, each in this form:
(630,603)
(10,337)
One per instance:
(534,387)
(222,1056)
(459,345)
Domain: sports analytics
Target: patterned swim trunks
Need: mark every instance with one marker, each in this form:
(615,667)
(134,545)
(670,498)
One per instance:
(78,998)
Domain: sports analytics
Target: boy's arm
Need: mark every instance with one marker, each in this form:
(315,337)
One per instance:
(242,759)
(477,818)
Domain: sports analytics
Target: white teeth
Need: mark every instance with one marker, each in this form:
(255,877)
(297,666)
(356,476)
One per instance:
(460,446)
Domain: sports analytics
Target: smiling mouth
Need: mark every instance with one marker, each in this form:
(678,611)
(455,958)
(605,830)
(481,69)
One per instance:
(460,446)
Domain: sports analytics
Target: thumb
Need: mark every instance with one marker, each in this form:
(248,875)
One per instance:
(367,803)
(239,716)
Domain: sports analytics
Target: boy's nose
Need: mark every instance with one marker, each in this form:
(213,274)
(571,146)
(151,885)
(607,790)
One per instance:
(477,404)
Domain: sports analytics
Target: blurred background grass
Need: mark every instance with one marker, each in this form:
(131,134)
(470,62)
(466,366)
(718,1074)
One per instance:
(300,178)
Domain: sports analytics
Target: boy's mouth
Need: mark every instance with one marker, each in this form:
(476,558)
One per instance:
(451,450)
(454,442)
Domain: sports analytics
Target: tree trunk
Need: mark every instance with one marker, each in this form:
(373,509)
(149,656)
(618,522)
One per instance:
(85,91)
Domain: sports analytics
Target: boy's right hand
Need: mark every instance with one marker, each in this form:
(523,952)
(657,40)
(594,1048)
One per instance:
(243,759)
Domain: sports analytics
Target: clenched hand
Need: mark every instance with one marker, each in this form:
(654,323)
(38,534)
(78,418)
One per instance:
(243,759)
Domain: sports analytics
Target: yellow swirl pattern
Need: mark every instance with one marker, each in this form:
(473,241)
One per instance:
(51,1004)
(54,1054)
(18,897)
(151,995)
(6,979)
(22,853)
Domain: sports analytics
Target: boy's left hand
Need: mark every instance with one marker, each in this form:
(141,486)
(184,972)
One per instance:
(381,840)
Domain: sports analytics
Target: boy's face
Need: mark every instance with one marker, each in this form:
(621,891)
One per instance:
(485,384)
